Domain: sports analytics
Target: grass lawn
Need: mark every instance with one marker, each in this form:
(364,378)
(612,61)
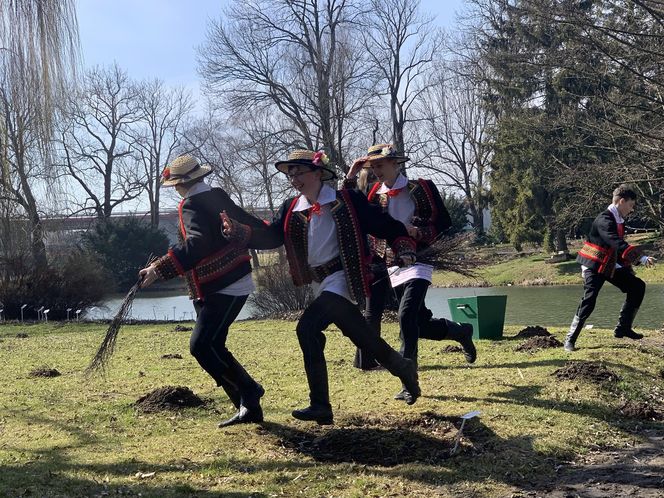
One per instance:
(72,436)
(506,267)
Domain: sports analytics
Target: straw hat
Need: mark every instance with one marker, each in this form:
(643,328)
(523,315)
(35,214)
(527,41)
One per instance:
(183,169)
(383,151)
(314,160)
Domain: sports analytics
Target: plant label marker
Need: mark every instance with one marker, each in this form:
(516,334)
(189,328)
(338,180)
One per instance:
(465,417)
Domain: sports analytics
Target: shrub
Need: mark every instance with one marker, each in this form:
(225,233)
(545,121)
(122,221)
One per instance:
(75,280)
(124,247)
(276,294)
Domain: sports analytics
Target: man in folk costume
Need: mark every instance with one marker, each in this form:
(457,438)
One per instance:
(218,274)
(418,205)
(606,256)
(324,232)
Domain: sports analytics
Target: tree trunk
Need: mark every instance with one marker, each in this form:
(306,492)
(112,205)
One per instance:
(561,241)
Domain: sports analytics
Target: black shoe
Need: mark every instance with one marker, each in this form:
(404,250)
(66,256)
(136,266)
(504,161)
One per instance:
(322,415)
(404,395)
(410,382)
(629,333)
(244,416)
(463,334)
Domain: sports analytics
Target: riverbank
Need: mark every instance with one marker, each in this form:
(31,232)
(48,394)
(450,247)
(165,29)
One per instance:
(507,267)
(71,436)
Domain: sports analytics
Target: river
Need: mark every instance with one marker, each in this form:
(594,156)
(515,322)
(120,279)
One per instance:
(546,305)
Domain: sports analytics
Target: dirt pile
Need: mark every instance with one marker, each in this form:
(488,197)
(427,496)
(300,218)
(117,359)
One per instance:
(586,370)
(171,356)
(452,349)
(182,328)
(44,372)
(532,331)
(539,342)
(642,410)
(22,335)
(385,441)
(168,398)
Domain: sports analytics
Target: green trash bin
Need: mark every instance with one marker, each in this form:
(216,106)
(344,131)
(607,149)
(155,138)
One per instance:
(485,313)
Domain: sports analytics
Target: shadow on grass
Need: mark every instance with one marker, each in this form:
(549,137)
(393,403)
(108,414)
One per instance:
(52,472)
(399,452)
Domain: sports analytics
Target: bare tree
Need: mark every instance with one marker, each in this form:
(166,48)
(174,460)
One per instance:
(162,114)
(456,127)
(294,54)
(402,44)
(97,148)
(22,166)
(38,56)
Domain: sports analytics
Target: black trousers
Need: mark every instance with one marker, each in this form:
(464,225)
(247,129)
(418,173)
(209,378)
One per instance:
(208,345)
(629,284)
(416,321)
(326,309)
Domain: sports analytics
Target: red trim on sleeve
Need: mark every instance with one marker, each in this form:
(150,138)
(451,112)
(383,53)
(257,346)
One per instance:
(372,192)
(177,264)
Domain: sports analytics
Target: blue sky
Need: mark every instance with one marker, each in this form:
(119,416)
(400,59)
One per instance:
(158,38)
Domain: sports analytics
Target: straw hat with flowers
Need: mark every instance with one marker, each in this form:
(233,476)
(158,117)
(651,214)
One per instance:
(313,160)
(183,169)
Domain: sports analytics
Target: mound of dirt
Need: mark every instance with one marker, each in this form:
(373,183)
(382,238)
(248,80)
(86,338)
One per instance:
(452,349)
(168,398)
(385,441)
(586,370)
(532,331)
(22,335)
(172,356)
(539,342)
(182,328)
(641,410)
(44,372)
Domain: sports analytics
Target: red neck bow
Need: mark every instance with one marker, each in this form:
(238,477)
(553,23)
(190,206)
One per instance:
(315,209)
(393,192)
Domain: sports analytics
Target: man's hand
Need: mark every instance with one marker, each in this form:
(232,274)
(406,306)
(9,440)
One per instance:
(226,225)
(407,259)
(414,232)
(149,276)
(356,167)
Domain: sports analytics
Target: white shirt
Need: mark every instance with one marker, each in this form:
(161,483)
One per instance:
(241,287)
(402,208)
(322,242)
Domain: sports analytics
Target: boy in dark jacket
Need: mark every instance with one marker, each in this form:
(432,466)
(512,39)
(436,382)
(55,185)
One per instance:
(606,256)
(218,275)
(325,232)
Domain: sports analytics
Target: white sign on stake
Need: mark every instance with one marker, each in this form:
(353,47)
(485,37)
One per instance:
(465,417)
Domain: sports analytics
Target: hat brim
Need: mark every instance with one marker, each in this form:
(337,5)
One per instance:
(202,171)
(328,174)
(377,157)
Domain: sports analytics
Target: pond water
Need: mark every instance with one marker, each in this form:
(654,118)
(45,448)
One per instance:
(546,306)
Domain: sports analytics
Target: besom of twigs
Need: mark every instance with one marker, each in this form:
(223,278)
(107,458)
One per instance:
(103,356)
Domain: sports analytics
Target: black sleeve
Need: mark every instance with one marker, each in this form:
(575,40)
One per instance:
(198,240)
(608,230)
(270,236)
(376,222)
(443,221)
(238,214)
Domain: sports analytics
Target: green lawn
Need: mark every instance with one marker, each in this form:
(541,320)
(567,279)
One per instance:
(505,267)
(71,436)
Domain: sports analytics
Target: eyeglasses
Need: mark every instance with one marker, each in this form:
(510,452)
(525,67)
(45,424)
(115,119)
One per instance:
(293,176)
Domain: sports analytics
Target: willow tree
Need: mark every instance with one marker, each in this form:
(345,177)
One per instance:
(38,55)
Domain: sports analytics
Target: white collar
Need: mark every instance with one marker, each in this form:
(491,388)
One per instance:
(400,182)
(616,213)
(197,188)
(326,195)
